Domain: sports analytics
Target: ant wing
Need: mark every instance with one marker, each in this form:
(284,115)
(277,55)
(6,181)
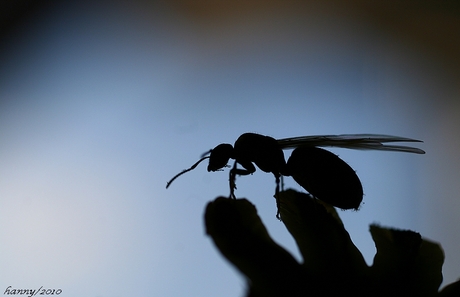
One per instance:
(352,141)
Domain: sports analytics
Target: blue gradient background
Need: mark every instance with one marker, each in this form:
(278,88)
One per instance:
(102,103)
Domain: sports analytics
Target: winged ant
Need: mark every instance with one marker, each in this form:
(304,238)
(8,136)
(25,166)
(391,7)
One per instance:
(323,174)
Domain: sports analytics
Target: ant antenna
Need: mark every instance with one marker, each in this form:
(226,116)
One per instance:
(186,170)
(204,154)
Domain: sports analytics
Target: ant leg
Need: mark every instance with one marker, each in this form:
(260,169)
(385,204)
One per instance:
(277,190)
(232,183)
(249,169)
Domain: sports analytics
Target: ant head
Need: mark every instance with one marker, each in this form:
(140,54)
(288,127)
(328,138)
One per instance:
(219,156)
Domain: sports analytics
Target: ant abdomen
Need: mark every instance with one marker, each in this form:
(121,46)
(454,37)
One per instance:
(327,177)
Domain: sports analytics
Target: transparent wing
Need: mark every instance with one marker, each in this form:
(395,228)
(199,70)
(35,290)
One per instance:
(352,141)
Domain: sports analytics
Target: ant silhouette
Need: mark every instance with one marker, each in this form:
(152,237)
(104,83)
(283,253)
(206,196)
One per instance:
(323,174)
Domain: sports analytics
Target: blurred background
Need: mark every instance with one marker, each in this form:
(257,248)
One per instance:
(101,103)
